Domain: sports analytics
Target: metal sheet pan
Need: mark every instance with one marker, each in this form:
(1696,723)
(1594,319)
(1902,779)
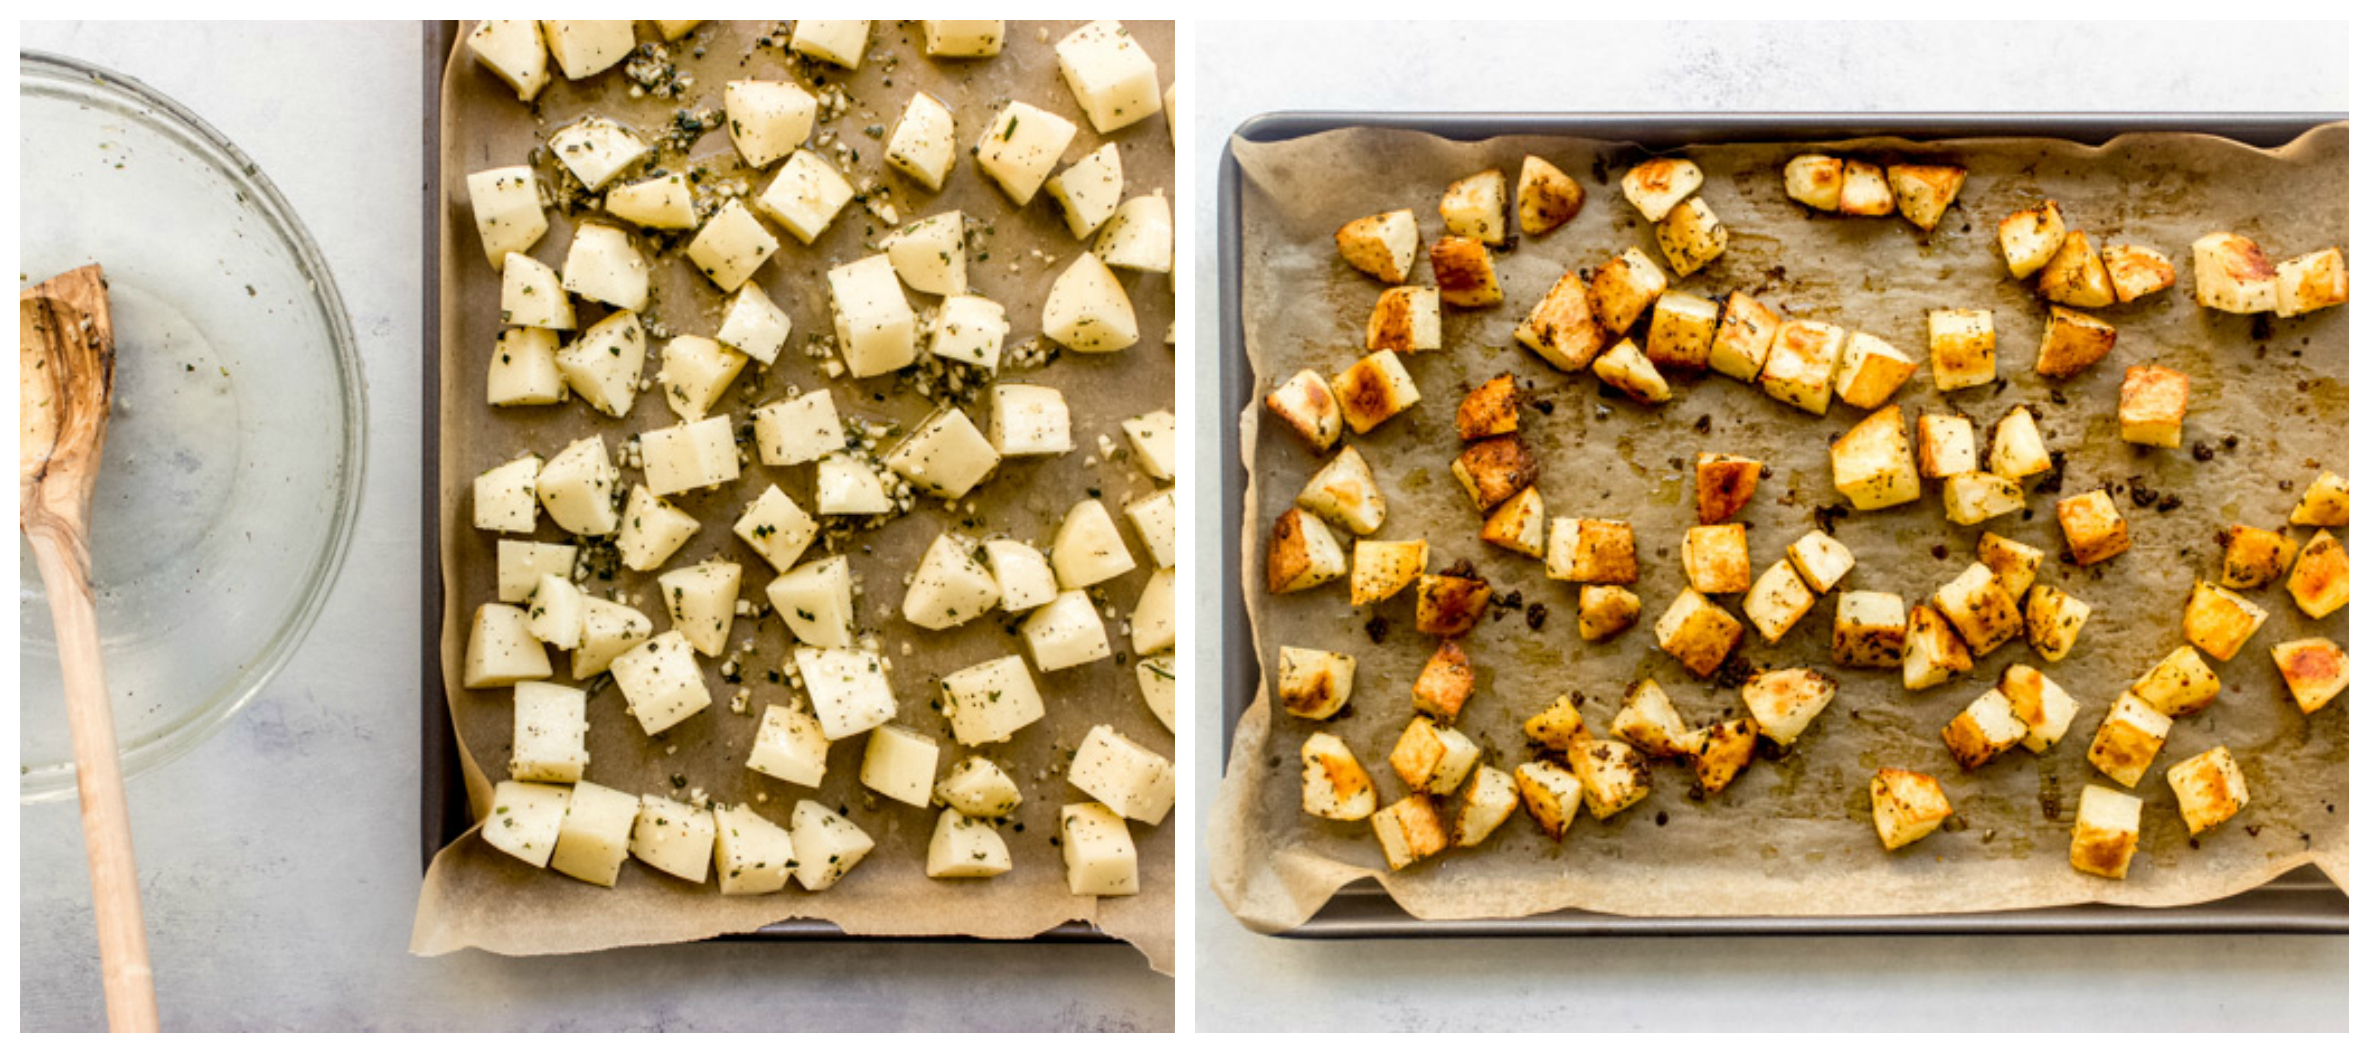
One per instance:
(2302,902)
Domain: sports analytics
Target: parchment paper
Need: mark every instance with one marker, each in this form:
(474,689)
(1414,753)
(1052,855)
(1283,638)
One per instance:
(477,897)
(1792,836)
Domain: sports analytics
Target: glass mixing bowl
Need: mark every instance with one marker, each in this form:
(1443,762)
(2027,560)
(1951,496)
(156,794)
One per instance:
(233,465)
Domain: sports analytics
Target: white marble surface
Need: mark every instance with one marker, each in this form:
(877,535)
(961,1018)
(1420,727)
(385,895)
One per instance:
(287,904)
(1244,981)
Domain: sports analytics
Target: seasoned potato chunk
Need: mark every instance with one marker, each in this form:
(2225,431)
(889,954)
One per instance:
(1409,832)
(1985,729)
(1980,608)
(2322,580)
(2094,528)
(2218,621)
(1722,484)
(1379,570)
(2309,283)
(2072,342)
(1313,684)
(1474,207)
(1550,793)
(1494,469)
(2178,685)
(1606,611)
(1658,185)
(1612,776)
(1558,726)
(2014,562)
(1374,389)
(2136,271)
(1871,372)
(1680,337)
(1691,236)
(1801,364)
(1945,445)
(1405,318)
(2254,557)
(2045,709)
(2209,787)
(1778,600)
(1301,553)
(2127,741)
(2053,621)
(1784,701)
(1697,633)
(2233,275)
(1432,759)
(2030,238)
(1815,180)
(1721,752)
(1623,288)
(1964,347)
(1716,558)
(1494,408)
(1907,806)
(1306,403)
(1872,463)
(1648,721)
(2105,832)
(1925,191)
(1466,274)
(1934,652)
(1489,799)
(1746,330)
(1344,493)
(1445,683)
(2327,502)
(1870,630)
(2316,671)
(1545,197)
(1381,245)
(2076,276)
(1821,560)
(1449,604)
(1864,193)
(1627,369)
(1592,552)
(1519,524)
(2016,448)
(2154,399)
(1563,328)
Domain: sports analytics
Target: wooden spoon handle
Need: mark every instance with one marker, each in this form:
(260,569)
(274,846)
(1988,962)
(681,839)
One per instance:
(98,775)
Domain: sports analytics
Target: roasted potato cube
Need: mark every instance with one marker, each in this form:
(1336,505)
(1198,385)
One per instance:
(1344,492)
(1494,408)
(1906,806)
(1627,369)
(1332,784)
(1612,776)
(1815,180)
(1466,274)
(1445,683)
(2072,342)
(1374,389)
(1778,600)
(2209,787)
(1864,193)
(1474,207)
(1784,701)
(2178,685)
(2030,238)
(2316,671)
(2053,621)
(1405,318)
(1964,346)
(2016,448)
(1716,558)
(1697,633)
(2094,528)
(1550,793)
(2219,621)
(1433,759)
(1658,185)
(1934,652)
(1648,721)
(1544,197)
(1721,752)
(1306,403)
(2014,562)
(1978,496)
(1986,728)
(1563,327)
(1925,191)
(1623,288)
(1870,630)
(1821,560)
(2045,709)
(1871,372)
(2233,275)
(1558,726)
(1409,832)
(2322,581)
(1606,611)
(2128,739)
(1383,245)
(2136,271)
(1489,799)
(1301,553)
(1872,463)
(1379,569)
(1494,469)
(1800,367)
(2327,502)
(1746,330)
(1945,445)
(1449,604)
(2308,283)
(1680,337)
(1313,684)
(2154,399)
(2075,276)
(1691,236)
(1722,484)
(1980,608)
(2255,557)
(2105,832)
(1519,524)
(1592,552)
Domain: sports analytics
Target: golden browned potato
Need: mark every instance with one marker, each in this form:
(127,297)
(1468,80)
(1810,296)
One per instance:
(2309,283)
(1474,207)
(1333,785)
(1716,558)
(1612,776)
(1691,236)
(1906,805)
(1986,728)
(1964,346)
(1378,570)
(1925,191)
(1449,604)
(1382,245)
(1592,552)
(1494,469)
(2316,671)
(1658,185)
(1980,608)
(1722,484)
(1491,409)
(1697,633)
(2233,274)
(2053,621)
(2030,238)
(2209,787)
(2127,741)
(1547,198)
(1563,328)
(1746,329)
(1519,524)
(2105,832)
(2255,557)
(1870,630)
(1445,683)
(1466,274)
(1409,832)
(2321,583)
(1405,318)
(1680,337)
(1864,193)
(2327,501)
(1721,752)
(2218,621)
(1313,684)
(2094,528)
(1306,403)
(1778,600)
(1623,288)
(1934,652)
(2136,271)
(1626,369)
(1301,553)
(1815,180)
(2072,342)
(1873,465)
(1374,389)
(2075,276)
(1558,726)
(1606,611)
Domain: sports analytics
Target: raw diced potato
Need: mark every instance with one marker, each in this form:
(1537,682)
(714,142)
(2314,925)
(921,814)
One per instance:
(951,586)
(513,50)
(900,764)
(1023,575)
(504,497)
(1784,701)
(1494,469)
(928,256)
(1623,288)
(805,195)
(1313,684)
(962,38)
(1382,245)
(1087,549)
(675,28)
(1871,371)
(2327,502)
(1097,852)
(1344,492)
(850,691)
(1019,148)
(1380,569)
(603,265)
(610,629)
(2094,529)
(531,295)
(1872,463)
(604,365)
(795,431)
(2030,238)
(828,844)
(1801,363)
(579,488)
(2072,342)
(1777,601)
(945,456)
(660,203)
(1372,390)
(1141,236)
(2309,283)
(1985,729)
(1111,75)
(964,847)
(2154,399)
(1697,633)
(661,682)
(1606,611)
(1627,369)
(1945,445)
(1716,559)
(753,856)
(977,788)
(1680,337)
(509,210)
(2322,581)
(1156,679)
(2254,557)
(1494,408)
(1152,625)
(1546,198)
(1980,608)
(694,372)
(768,119)
(1489,800)
(1870,630)
(875,325)
(593,838)
(1815,180)
(2316,671)
(688,456)
(2178,685)
(2045,709)
(1432,759)
(1066,632)
(731,245)
(1027,420)
(1409,832)
(1466,274)
(1964,347)
(836,40)
(700,599)
(2075,276)
(2128,740)
(502,651)
(1151,437)
(990,701)
(1563,327)
(970,329)
(1722,751)
(2053,621)
(525,820)
(1658,185)
(1924,192)
(1333,785)
(1088,310)
(1445,683)
(1592,552)
(521,565)
(1746,330)
(1821,560)
(1551,793)
(1405,318)
(2014,563)
(583,47)
(595,149)
(2233,275)
(922,146)
(1474,207)
(1691,236)
(1088,192)
(1934,652)
(1907,805)
(2105,832)
(2210,789)
(1648,721)
(1519,524)
(1449,604)
(1155,525)
(791,747)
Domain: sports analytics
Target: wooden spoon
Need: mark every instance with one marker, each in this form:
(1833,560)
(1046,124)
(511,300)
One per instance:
(67,383)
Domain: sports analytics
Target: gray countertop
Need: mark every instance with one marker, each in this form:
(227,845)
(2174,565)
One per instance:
(1249,982)
(280,861)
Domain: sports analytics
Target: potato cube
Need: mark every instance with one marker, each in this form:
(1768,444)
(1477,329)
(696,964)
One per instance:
(971,330)
(1551,794)
(1405,318)
(951,586)
(2076,276)
(731,245)
(791,747)
(753,325)
(2210,789)
(1088,192)
(2031,237)
(513,49)
(1141,236)
(923,146)
(1493,408)
(1546,198)
(1563,328)
(1306,403)
(526,820)
(659,203)
(662,682)
(1474,207)
(1111,75)
(1777,601)
(1871,371)
(548,727)
(2327,502)
(1558,726)
(1155,526)
(1945,445)
(2218,621)
(1612,776)
(1716,559)
(610,629)
(848,687)
(592,839)
(1801,363)
(1129,779)
(1489,799)
(1088,310)
(694,371)
(1627,369)
(965,847)
(689,456)
(1784,701)
(1381,245)
(1870,630)
(1907,806)
(829,844)
(1691,236)
(1658,185)
(579,488)
(1445,683)
(1493,470)
(1864,191)
(2322,580)
(2136,271)
(928,256)
(875,326)
(503,497)
(1980,608)
(1433,759)
(1815,180)
(524,370)
(531,295)
(1333,785)
(1722,751)
(1409,832)
(1680,337)
(1723,484)
(1605,611)
(1934,652)
(1986,728)
(675,838)
(817,602)
(1378,570)
(945,456)
(2072,342)
(2053,621)
(1872,463)
(1027,420)
(595,150)
(2044,708)
(2309,283)
(701,600)
(977,788)
(1924,193)
(962,37)
(2178,685)
(1152,625)
(2154,399)
(1087,549)
(2316,671)
(1964,347)
(604,364)
(768,119)
(1592,552)
(2017,450)
(2233,275)
(2094,529)
(603,265)
(1313,684)
(840,41)
(1449,604)
(1697,633)
(521,565)
(1301,553)
(2254,557)
(1019,148)
(1648,721)
(1372,390)
(753,856)
(1623,288)
(1023,576)
(2128,739)
(2105,832)
(1821,560)
(1466,275)
(2013,562)
(508,209)
(1747,329)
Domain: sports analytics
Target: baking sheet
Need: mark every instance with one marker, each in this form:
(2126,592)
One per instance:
(1275,868)
(476,897)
